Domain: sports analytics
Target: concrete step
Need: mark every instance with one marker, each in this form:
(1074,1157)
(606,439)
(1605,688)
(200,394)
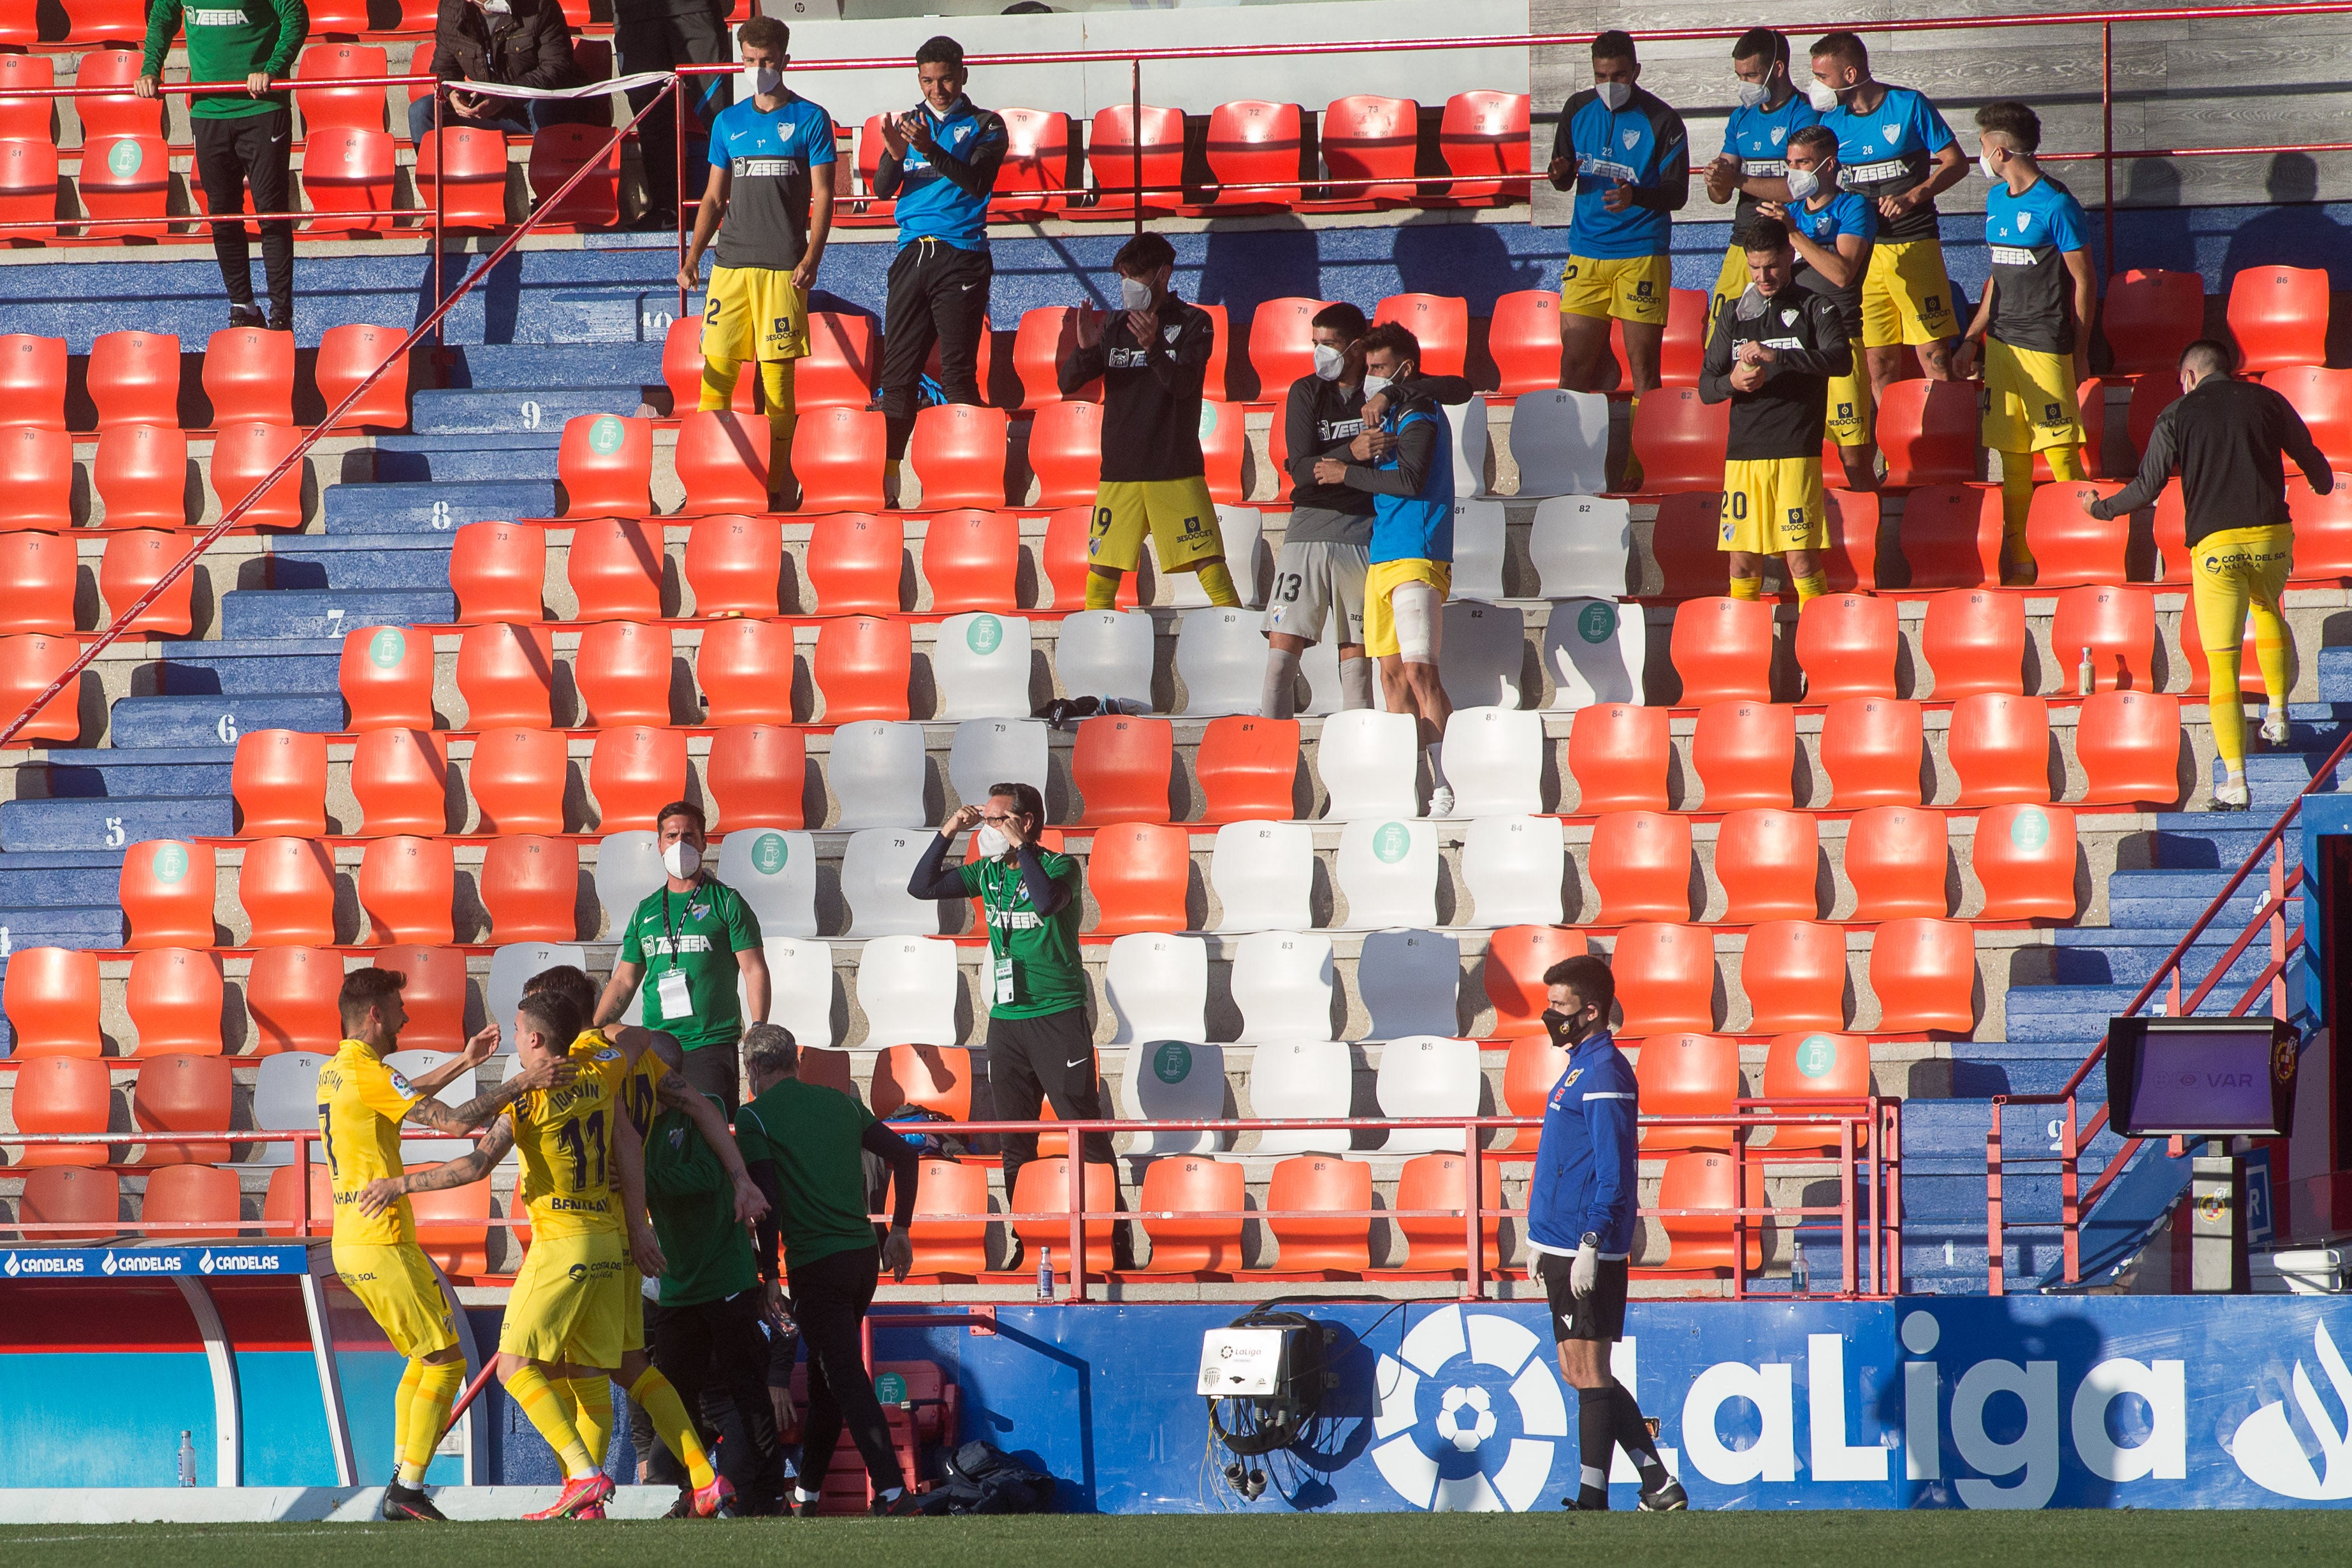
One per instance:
(1945,1135)
(2216,840)
(42,880)
(2094,957)
(361,560)
(104,824)
(243,666)
(62,925)
(537,366)
(305,614)
(128,772)
(2077,1014)
(2170,900)
(141,722)
(521,409)
(444,459)
(440,507)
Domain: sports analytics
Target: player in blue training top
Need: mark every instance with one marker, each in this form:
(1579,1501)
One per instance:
(772,184)
(1894,150)
(2033,322)
(1755,153)
(1580,1218)
(1833,231)
(1627,157)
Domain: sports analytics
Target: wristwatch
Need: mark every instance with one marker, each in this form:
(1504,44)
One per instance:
(1591,1238)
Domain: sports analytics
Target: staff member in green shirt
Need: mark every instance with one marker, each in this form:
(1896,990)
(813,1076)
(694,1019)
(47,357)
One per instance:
(802,1144)
(696,935)
(243,138)
(1040,1041)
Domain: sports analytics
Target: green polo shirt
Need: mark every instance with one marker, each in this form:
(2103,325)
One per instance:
(814,1135)
(1048,976)
(697,933)
(228,40)
(693,1208)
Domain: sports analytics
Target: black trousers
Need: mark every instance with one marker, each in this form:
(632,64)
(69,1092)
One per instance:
(714,1353)
(660,43)
(829,1298)
(249,151)
(1030,1058)
(714,1070)
(938,294)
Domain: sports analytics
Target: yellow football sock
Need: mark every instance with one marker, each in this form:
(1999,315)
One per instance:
(428,1416)
(776,383)
(2065,463)
(591,1413)
(1218,584)
(1749,588)
(719,378)
(2016,501)
(660,1399)
(1811,587)
(545,1410)
(2275,652)
(402,1398)
(2226,707)
(1102,593)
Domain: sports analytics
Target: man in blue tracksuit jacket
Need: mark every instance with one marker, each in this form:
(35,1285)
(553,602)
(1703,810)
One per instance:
(1580,1227)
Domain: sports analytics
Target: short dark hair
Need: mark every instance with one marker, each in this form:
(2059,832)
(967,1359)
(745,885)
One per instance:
(1025,799)
(362,989)
(764,33)
(2209,355)
(1144,253)
(2014,119)
(1588,975)
(682,808)
(1616,44)
(568,981)
(551,1015)
(941,50)
(1395,337)
(1761,233)
(1819,136)
(1341,318)
(1846,47)
(1761,41)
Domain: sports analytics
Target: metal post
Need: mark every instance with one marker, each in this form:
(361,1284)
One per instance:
(1074,1151)
(678,160)
(1848,1218)
(1740,1213)
(302,1185)
(1135,133)
(2278,930)
(1992,1204)
(2107,150)
(440,220)
(1893,1226)
(2070,1191)
(1474,1267)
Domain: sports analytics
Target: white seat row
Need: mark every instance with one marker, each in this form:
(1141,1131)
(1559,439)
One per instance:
(1560,440)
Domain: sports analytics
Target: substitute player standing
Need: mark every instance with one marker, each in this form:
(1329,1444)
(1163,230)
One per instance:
(1627,157)
(1833,231)
(1894,149)
(2228,440)
(1754,163)
(362,1105)
(2034,328)
(1153,358)
(1580,1227)
(772,184)
(1772,355)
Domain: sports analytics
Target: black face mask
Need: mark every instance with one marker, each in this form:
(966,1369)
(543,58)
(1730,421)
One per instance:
(1565,1029)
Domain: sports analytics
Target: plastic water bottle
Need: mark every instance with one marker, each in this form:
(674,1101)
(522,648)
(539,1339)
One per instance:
(187,1458)
(1044,1274)
(1801,1279)
(2087,676)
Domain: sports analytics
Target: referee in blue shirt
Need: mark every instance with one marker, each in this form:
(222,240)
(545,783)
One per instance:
(1580,1227)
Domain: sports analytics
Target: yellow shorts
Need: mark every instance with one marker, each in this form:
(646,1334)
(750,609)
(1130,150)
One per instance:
(1849,406)
(1177,513)
(1383,578)
(2232,569)
(1905,297)
(570,1302)
(1731,283)
(1774,505)
(398,1287)
(754,312)
(1632,288)
(2028,401)
(633,1331)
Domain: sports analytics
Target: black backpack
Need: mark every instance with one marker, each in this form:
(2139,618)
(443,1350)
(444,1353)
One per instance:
(982,1478)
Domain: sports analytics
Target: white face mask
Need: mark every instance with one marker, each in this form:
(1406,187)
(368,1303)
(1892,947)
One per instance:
(1802,182)
(1329,361)
(1984,166)
(766,81)
(992,843)
(1614,95)
(1134,294)
(1821,96)
(681,860)
(1752,93)
(1375,385)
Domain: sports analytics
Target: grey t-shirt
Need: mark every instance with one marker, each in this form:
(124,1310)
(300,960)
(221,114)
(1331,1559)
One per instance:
(1321,525)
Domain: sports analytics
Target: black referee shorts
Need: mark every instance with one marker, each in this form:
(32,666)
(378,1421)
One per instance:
(1600,1316)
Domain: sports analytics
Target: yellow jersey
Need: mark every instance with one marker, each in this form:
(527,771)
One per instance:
(637,1091)
(361,1104)
(571,1184)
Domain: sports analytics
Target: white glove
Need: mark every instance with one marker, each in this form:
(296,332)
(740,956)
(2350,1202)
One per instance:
(1585,1272)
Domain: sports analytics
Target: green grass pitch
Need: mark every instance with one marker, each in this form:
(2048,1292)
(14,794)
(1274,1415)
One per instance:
(1859,1539)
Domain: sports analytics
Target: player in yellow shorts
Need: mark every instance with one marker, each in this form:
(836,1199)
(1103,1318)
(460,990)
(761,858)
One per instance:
(1753,166)
(362,1105)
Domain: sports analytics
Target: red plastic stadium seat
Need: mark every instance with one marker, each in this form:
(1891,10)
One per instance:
(951,1228)
(1795,974)
(1335,1195)
(125,186)
(2091,397)
(1252,143)
(28,185)
(837,457)
(615,569)
(37,466)
(245,455)
(1366,137)
(559,151)
(474,194)
(347,175)
(1851,562)
(2024,857)
(184,1201)
(287,887)
(25,119)
(135,560)
(605,465)
(1846,645)
(1516,957)
(1683,538)
(289,994)
(2130,745)
(682,371)
(1700,1191)
(405,885)
(281,1214)
(1683,349)
(142,475)
(2151,394)
(400,780)
(1974,641)
(1138,873)
(1723,651)
(635,770)
(63,1205)
(387,678)
(498,571)
(1111,141)
(506,673)
(933,1077)
(1951,535)
(32,376)
(174,998)
(869,209)
(2279,316)
(1523,339)
(971,560)
(1282,344)
(453,1226)
(1066,453)
(530,889)
(349,354)
(280,782)
(1679,441)
(1036,166)
(166,891)
(52,1001)
(746,670)
(2069,545)
(1247,766)
(1043,1187)
(1924,972)
(325,106)
(1928,430)
(1065,560)
(1618,754)
(517,780)
(845,352)
(1530,1072)
(1816,1065)
(857,563)
(959,454)
(434,996)
(105,21)
(1120,767)
(1440,321)
(2324,399)
(60,1095)
(1666,979)
(861,668)
(1641,862)
(1999,743)
(2149,316)
(1044,337)
(1482,139)
(1688,1075)
(623,671)
(2116,627)
(1745,754)
(735,564)
(28,665)
(1174,1191)
(1896,858)
(756,776)
(1223,442)
(1768,863)
(124,113)
(181,1094)
(40,573)
(249,375)
(722,461)
(1871,748)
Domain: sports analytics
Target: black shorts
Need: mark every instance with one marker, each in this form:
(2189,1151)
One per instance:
(1600,1316)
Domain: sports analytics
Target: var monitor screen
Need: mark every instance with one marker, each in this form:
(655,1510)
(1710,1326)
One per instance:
(2201,1077)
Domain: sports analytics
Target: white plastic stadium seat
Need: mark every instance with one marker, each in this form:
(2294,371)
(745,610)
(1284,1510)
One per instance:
(1320,665)
(1387,872)
(1512,868)
(1473,459)
(511,968)
(876,770)
(1561,440)
(1480,654)
(1494,759)
(1579,545)
(1262,874)
(775,870)
(800,987)
(980,665)
(1282,985)
(1304,1079)
(996,750)
(1371,763)
(1427,1075)
(1408,981)
(1158,985)
(1105,653)
(286,1099)
(628,866)
(907,986)
(1595,651)
(1173,1081)
(875,866)
(1221,662)
(1478,548)
(1242,528)
(456,1091)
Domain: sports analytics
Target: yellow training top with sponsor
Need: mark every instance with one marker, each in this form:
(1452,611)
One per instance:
(638,1091)
(564,1135)
(361,1104)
